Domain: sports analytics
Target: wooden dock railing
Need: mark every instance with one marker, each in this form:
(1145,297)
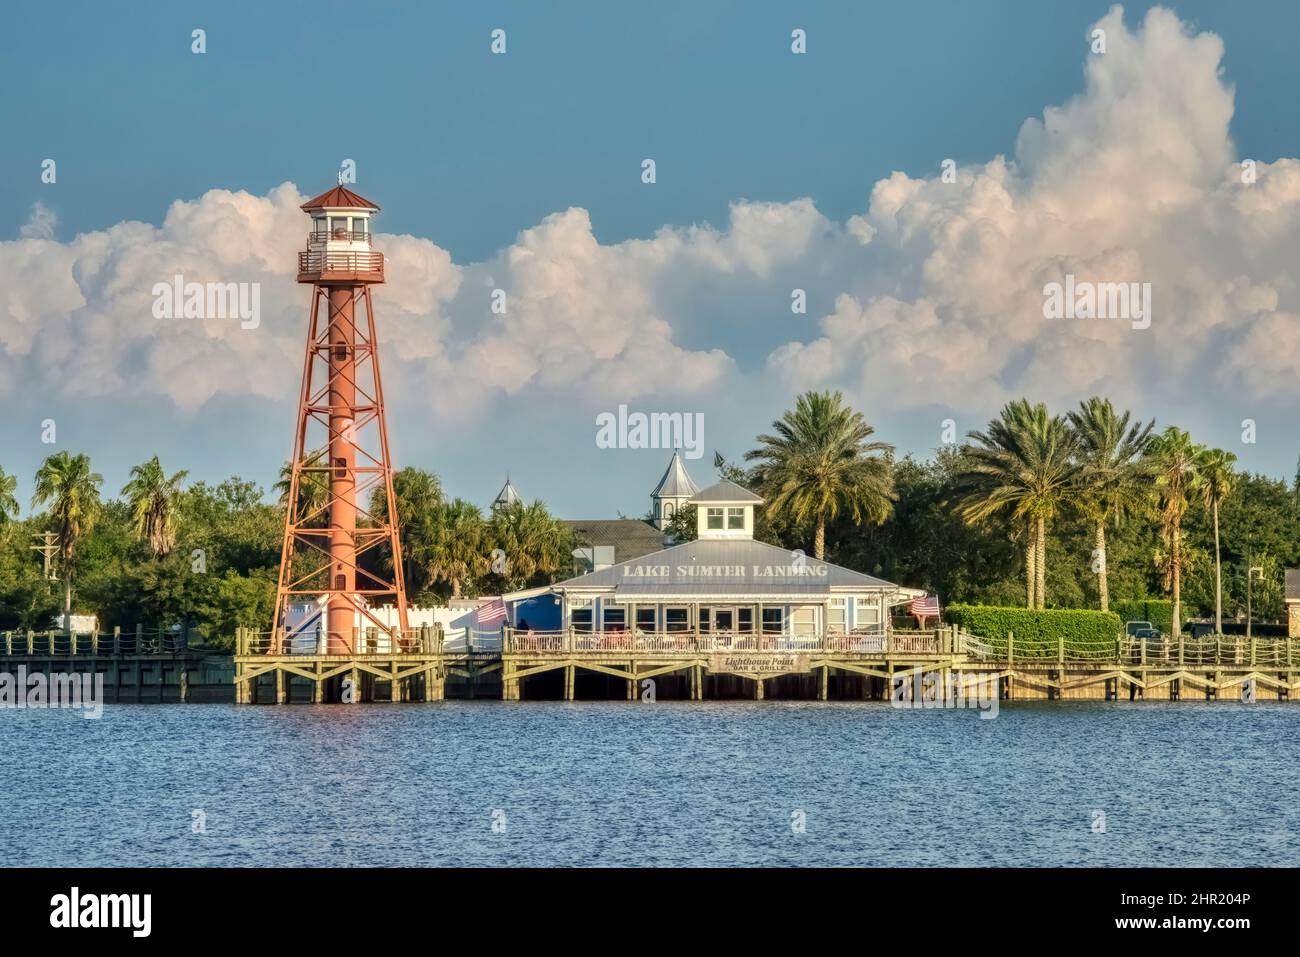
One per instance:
(84,644)
(571,641)
(425,640)
(1237,650)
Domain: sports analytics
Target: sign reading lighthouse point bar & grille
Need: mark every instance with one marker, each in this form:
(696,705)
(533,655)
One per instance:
(758,662)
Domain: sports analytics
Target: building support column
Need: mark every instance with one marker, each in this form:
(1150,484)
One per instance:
(823,689)
(279,686)
(631,681)
(758,689)
(569,677)
(395,686)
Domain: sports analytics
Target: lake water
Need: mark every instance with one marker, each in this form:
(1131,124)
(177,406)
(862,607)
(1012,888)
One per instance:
(691,783)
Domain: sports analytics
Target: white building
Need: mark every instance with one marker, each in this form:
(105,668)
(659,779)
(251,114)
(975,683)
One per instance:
(727,583)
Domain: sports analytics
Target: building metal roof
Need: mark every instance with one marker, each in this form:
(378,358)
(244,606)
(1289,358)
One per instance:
(507,496)
(676,482)
(724,567)
(629,537)
(727,492)
(340,197)
(1293,584)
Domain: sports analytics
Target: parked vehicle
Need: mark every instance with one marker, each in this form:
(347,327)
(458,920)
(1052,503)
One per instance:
(1142,630)
(1143,634)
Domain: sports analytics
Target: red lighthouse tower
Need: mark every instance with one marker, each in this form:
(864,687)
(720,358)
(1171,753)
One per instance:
(333,552)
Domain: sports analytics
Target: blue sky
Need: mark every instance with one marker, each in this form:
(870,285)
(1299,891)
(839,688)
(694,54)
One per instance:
(468,149)
(465,150)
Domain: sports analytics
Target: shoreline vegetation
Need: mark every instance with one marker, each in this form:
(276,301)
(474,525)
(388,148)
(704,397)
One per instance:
(1087,510)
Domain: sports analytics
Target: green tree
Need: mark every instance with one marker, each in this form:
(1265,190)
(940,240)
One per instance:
(71,489)
(458,550)
(313,488)
(8,499)
(1113,480)
(683,526)
(821,462)
(1216,484)
(152,497)
(532,546)
(418,496)
(1022,469)
(1178,481)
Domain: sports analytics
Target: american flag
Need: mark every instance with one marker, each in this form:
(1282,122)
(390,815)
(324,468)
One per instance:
(927,606)
(491,614)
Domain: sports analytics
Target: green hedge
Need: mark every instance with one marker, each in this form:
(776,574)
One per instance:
(1158,611)
(1038,632)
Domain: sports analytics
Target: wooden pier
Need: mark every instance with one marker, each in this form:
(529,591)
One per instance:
(871,666)
(139,665)
(153,666)
(409,668)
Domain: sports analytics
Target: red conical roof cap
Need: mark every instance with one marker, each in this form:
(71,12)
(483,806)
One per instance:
(339,198)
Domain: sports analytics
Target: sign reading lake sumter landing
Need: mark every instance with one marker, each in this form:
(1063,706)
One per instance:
(743,662)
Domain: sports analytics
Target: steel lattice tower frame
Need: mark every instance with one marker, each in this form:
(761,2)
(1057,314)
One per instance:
(341,454)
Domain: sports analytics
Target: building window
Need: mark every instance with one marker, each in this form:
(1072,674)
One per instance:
(803,621)
(645,619)
(835,615)
(581,619)
(615,617)
(704,618)
(773,620)
(866,613)
(745,620)
(715,517)
(735,518)
(677,619)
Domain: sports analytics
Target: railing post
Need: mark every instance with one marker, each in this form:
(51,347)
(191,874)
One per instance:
(117,640)
(94,644)
(1253,639)
(1143,651)
(1060,648)
(31,642)
(9,643)
(1011,647)
(1180,649)
(49,639)
(139,636)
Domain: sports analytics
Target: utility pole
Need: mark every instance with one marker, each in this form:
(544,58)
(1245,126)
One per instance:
(48,548)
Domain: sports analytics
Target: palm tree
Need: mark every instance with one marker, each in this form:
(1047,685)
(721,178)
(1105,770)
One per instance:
(531,542)
(1023,468)
(72,490)
(417,495)
(1113,483)
(313,488)
(8,500)
(820,462)
(1177,463)
(1216,474)
(457,544)
(152,498)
